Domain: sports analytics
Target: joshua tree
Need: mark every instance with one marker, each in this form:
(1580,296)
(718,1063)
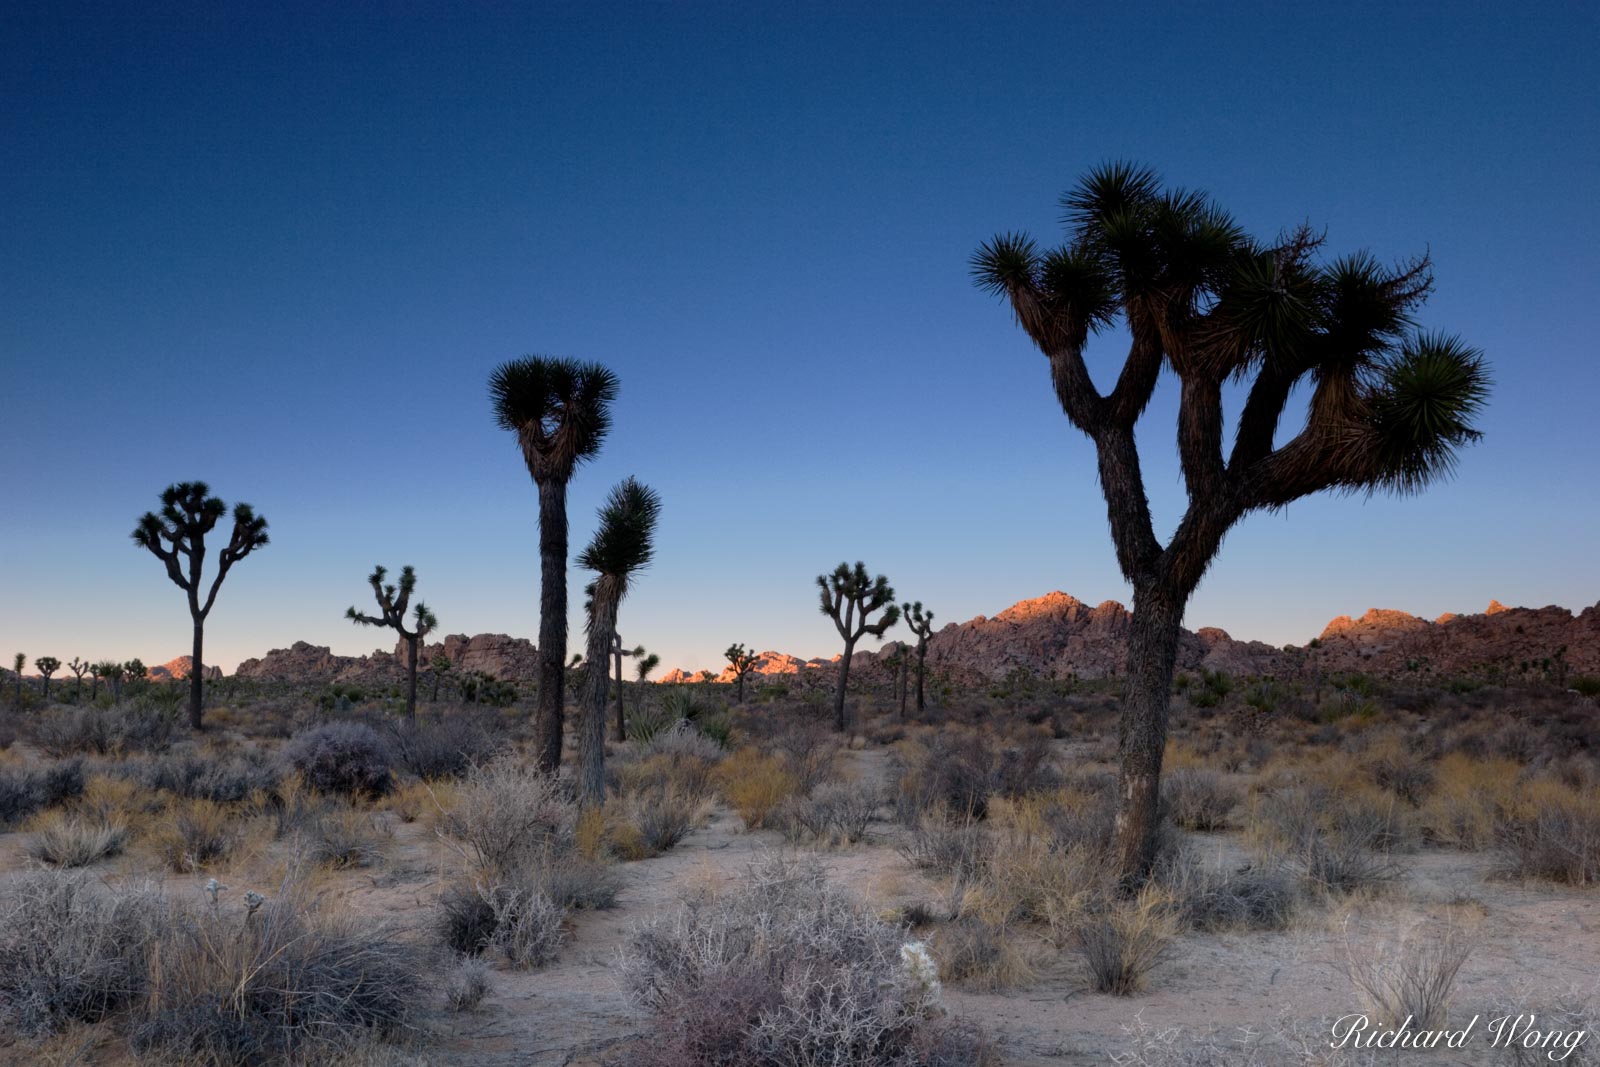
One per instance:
(848,598)
(177,537)
(743,662)
(392,603)
(19,661)
(560,411)
(441,666)
(898,663)
(78,668)
(617,652)
(623,545)
(647,663)
(47,665)
(112,672)
(1388,407)
(135,670)
(921,623)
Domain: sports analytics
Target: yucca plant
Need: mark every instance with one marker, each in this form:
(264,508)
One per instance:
(1388,406)
(849,598)
(623,545)
(560,411)
(177,537)
(392,603)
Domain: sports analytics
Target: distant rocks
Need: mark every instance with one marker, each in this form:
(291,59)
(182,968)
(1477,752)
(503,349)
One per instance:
(497,655)
(180,668)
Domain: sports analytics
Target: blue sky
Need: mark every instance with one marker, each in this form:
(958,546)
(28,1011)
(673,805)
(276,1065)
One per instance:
(282,251)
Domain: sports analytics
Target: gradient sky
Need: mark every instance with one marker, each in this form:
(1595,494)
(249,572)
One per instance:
(281,252)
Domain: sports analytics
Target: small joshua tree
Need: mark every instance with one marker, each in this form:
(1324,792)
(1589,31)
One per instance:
(19,661)
(47,665)
(177,537)
(849,597)
(647,663)
(112,672)
(623,546)
(617,652)
(392,603)
(135,670)
(743,661)
(921,623)
(79,668)
(898,663)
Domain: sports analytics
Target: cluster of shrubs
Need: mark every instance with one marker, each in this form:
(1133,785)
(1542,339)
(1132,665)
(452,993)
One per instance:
(213,981)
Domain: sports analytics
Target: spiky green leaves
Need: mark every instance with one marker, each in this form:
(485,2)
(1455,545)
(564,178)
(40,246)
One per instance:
(624,541)
(560,410)
(919,619)
(741,659)
(392,602)
(1423,406)
(188,513)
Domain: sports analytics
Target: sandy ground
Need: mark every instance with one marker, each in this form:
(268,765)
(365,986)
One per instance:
(1533,943)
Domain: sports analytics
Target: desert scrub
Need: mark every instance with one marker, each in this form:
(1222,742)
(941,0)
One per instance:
(195,835)
(506,815)
(1469,797)
(784,968)
(1552,832)
(1199,798)
(348,758)
(194,775)
(446,746)
(755,785)
(24,791)
(1122,943)
(1406,980)
(76,840)
(342,837)
(836,813)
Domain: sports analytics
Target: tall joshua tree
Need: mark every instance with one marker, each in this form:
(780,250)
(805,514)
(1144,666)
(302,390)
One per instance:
(177,537)
(392,603)
(921,623)
(849,597)
(47,665)
(79,668)
(19,661)
(560,411)
(1388,406)
(743,661)
(623,546)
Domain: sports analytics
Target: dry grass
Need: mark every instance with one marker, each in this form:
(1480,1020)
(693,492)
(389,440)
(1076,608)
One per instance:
(1408,978)
(1123,943)
(75,840)
(755,785)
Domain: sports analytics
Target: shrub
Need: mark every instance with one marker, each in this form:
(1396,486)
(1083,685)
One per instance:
(225,780)
(527,925)
(446,746)
(467,986)
(653,822)
(24,792)
(195,835)
(578,883)
(75,841)
(341,757)
(102,731)
(754,785)
(1122,944)
(787,969)
(1199,799)
(1408,982)
(508,816)
(344,838)
(1553,833)
(1469,799)
(981,954)
(72,952)
(1249,898)
(836,813)
(275,979)
(465,920)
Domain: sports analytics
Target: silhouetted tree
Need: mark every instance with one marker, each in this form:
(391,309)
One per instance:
(1387,407)
(135,671)
(898,663)
(560,411)
(617,652)
(623,545)
(47,665)
(921,623)
(392,603)
(647,663)
(78,668)
(177,537)
(112,672)
(743,662)
(19,661)
(849,597)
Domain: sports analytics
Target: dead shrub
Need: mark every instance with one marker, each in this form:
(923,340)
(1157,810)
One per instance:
(1553,833)
(1200,799)
(76,840)
(1123,943)
(1407,981)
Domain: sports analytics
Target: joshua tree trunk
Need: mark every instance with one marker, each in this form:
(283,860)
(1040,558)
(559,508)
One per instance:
(922,670)
(411,675)
(905,668)
(1142,730)
(844,681)
(553,621)
(196,674)
(740,698)
(622,726)
(592,731)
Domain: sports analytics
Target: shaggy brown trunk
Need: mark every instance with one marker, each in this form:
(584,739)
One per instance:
(844,680)
(552,621)
(196,678)
(905,687)
(592,730)
(1142,730)
(622,726)
(411,676)
(741,687)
